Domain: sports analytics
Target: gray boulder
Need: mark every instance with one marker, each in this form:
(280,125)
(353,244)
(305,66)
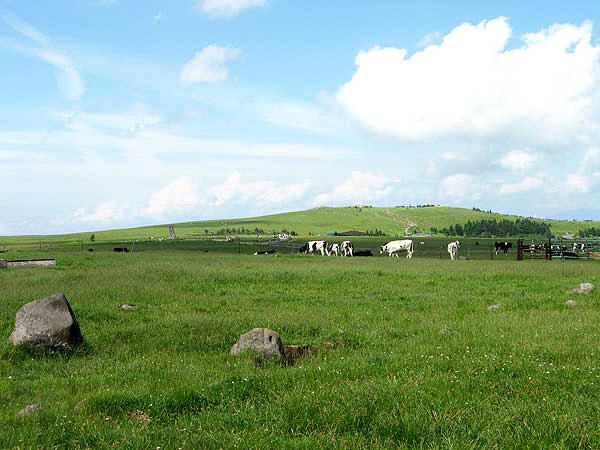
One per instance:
(29,410)
(571,303)
(48,323)
(127,307)
(266,343)
(583,288)
(495,307)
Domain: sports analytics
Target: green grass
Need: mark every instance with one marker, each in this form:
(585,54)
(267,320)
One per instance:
(318,221)
(524,377)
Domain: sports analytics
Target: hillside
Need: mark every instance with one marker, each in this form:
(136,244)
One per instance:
(318,221)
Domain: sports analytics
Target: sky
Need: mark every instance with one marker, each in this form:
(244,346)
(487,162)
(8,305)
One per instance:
(119,113)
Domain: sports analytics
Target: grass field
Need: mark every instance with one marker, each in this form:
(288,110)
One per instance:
(526,376)
(318,221)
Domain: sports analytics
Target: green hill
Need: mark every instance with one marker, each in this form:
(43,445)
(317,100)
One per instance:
(394,221)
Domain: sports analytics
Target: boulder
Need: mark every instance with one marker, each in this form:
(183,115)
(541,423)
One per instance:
(495,307)
(262,341)
(29,410)
(571,303)
(583,288)
(126,307)
(48,323)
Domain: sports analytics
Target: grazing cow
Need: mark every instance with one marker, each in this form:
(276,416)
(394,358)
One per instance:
(502,246)
(578,247)
(362,253)
(453,249)
(266,252)
(393,248)
(334,249)
(121,250)
(347,248)
(314,247)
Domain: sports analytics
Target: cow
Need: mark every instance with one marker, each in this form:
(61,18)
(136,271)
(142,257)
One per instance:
(315,246)
(266,252)
(392,248)
(502,246)
(453,249)
(347,249)
(363,253)
(334,249)
(578,247)
(121,250)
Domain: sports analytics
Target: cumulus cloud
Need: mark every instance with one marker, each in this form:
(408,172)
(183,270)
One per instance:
(518,160)
(429,39)
(458,185)
(260,192)
(542,92)
(68,77)
(108,212)
(359,187)
(228,8)
(525,185)
(177,197)
(208,65)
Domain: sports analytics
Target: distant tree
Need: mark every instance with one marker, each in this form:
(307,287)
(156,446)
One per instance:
(92,237)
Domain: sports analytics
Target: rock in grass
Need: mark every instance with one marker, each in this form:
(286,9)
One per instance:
(126,307)
(47,324)
(29,410)
(495,307)
(262,341)
(446,330)
(583,288)
(571,303)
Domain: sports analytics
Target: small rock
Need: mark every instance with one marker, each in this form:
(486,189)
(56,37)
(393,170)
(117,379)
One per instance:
(583,288)
(294,353)
(449,330)
(139,416)
(29,410)
(48,323)
(126,307)
(571,303)
(495,307)
(263,341)
(81,405)
(328,345)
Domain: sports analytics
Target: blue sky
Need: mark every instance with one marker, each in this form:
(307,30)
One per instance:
(121,112)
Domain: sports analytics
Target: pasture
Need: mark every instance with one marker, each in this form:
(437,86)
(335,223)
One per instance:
(418,360)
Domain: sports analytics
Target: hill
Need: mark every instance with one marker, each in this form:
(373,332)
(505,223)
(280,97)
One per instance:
(394,221)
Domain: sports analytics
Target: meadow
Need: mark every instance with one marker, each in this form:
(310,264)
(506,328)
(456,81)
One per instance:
(418,360)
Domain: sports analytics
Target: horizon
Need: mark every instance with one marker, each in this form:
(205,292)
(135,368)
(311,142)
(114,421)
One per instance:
(166,224)
(211,109)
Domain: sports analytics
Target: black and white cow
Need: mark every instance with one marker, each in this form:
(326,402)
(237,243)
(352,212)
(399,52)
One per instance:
(265,252)
(578,247)
(393,248)
(334,249)
(314,247)
(502,247)
(453,248)
(347,249)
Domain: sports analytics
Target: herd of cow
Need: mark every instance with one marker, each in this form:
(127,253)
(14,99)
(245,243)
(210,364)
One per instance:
(392,248)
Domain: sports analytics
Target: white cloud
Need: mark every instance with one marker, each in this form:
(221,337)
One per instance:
(108,212)
(458,185)
(542,93)
(179,196)
(208,65)
(578,182)
(359,187)
(228,8)
(518,160)
(525,185)
(429,39)
(260,192)
(68,77)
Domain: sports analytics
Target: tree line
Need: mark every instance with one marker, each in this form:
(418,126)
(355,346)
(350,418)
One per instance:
(496,228)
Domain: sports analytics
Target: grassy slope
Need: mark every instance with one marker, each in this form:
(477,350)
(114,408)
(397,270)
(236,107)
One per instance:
(317,221)
(524,377)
